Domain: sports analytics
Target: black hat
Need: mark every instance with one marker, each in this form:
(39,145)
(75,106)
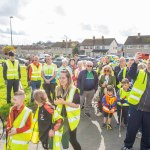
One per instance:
(11,53)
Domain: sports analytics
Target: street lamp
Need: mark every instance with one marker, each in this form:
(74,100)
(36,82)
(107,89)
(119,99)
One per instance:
(11,29)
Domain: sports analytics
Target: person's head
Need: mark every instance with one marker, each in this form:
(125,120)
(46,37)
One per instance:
(48,59)
(89,65)
(40,97)
(72,62)
(110,90)
(122,62)
(19,97)
(141,66)
(107,60)
(64,62)
(11,55)
(84,63)
(130,62)
(65,79)
(36,60)
(76,57)
(79,64)
(125,84)
(107,70)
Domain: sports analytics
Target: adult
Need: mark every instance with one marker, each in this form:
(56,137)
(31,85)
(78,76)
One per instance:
(11,75)
(35,75)
(49,72)
(64,66)
(139,111)
(87,83)
(117,69)
(106,79)
(68,106)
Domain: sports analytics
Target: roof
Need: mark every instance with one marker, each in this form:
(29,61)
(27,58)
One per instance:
(71,44)
(135,40)
(91,42)
(30,47)
(100,50)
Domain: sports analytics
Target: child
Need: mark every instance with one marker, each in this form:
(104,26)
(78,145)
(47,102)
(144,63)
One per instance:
(122,101)
(45,116)
(109,106)
(19,124)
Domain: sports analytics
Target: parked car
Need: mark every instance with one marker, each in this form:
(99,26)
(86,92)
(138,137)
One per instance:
(58,61)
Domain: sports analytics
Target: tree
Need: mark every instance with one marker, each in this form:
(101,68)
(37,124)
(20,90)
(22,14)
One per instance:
(75,50)
(6,49)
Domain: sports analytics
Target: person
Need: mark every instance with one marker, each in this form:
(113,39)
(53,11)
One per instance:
(109,106)
(68,106)
(117,69)
(87,83)
(35,75)
(105,79)
(122,101)
(76,58)
(11,75)
(139,111)
(64,66)
(47,128)
(18,124)
(49,72)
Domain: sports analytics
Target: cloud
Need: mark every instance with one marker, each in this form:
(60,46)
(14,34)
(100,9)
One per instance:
(7,31)
(86,27)
(102,28)
(129,31)
(59,10)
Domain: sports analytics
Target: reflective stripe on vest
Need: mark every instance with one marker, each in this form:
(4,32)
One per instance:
(36,72)
(12,69)
(138,88)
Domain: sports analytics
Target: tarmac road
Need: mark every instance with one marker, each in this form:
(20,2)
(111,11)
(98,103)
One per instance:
(92,137)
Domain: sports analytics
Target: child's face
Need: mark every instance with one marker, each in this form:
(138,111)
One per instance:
(126,86)
(17,100)
(110,93)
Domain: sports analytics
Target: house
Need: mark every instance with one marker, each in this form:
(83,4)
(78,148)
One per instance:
(63,48)
(137,43)
(102,46)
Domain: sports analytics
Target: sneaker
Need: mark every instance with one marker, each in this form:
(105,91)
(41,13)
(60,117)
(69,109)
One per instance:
(117,125)
(88,115)
(139,135)
(103,125)
(98,114)
(125,148)
(109,127)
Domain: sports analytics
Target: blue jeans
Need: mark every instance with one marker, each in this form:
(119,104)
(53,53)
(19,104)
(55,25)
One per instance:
(35,85)
(137,119)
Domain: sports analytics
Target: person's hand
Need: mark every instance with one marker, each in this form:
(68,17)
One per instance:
(59,101)
(137,57)
(47,81)
(12,132)
(112,111)
(51,133)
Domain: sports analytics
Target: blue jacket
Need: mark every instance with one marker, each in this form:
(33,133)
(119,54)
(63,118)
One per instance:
(82,78)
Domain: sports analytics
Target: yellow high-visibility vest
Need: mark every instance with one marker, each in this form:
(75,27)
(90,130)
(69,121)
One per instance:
(73,114)
(36,72)
(138,88)
(49,70)
(12,70)
(20,141)
(123,94)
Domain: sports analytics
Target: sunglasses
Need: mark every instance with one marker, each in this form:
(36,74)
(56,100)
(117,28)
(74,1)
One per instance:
(89,66)
(106,70)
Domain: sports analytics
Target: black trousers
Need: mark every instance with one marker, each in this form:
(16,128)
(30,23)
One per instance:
(50,91)
(11,84)
(137,119)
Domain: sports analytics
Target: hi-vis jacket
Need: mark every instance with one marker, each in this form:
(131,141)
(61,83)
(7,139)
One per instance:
(20,141)
(12,70)
(123,95)
(138,88)
(58,134)
(73,114)
(36,72)
(109,104)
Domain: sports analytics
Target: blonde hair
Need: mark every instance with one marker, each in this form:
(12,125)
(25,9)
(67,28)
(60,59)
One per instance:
(107,67)
(40,96)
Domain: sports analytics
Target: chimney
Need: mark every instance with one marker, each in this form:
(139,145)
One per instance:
(93,37)
(102,37)
(139,35)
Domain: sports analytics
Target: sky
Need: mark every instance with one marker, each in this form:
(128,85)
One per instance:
(56,20)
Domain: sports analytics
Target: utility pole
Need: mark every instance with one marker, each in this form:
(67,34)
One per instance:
(11,30)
